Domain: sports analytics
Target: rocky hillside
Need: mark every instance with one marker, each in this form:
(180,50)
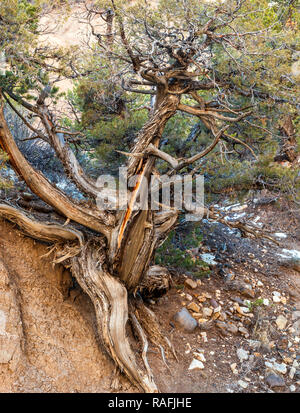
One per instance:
(236,330)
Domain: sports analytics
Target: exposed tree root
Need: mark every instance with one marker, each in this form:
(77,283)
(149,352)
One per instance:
(148,321)
(142,336)
(39,230)
(146,327)
(109,297)
(87,260)
(115,382)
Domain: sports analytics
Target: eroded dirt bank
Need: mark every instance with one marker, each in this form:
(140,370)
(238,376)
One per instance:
(47,336)
(247,310)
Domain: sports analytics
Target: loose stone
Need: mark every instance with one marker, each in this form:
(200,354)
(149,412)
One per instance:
(233,368)
(207,312)
(184,320)
(281,322)
(190,283)
(196,364)
(193,307)
(243,384)
(242,354)
(273,380)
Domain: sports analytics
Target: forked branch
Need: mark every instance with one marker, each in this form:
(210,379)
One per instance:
(43,188)
(177,164)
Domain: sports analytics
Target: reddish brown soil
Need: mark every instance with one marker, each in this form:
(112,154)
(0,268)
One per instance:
(59,350)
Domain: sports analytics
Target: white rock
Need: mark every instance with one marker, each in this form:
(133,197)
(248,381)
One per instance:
(276,293)
(229,206)
(207,312)
(277,367)
(256,223)
(276,299)
(242,354)
(292,330)
(196,364)
(238,208)
(237,216)
(281,322)
(293,388)
(292,373)
(266,301)
(208,258)
(259,284)
(269,364)
(280,235)
(233,368)
(243,384)
(204,336)
(291,253)
(254,343)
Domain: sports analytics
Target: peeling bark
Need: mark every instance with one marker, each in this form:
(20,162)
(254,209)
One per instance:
(109,267)
(152,131)
(109,297)
(134,240)
(38,230)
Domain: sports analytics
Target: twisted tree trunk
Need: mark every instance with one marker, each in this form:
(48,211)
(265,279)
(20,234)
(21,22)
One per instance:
(110,300)
(110,253)
(114,264)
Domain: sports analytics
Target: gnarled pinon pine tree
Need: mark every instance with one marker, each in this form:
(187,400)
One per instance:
(172,51)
